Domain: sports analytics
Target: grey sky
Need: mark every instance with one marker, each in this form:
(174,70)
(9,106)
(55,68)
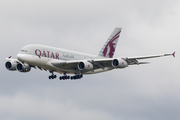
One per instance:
(143,92)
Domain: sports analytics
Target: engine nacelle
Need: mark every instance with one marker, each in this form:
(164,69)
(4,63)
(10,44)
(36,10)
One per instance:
(11,65)
(119,63)
(23,67)
(86,66)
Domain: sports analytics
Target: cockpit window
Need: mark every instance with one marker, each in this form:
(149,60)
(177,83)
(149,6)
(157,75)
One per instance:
(24,51)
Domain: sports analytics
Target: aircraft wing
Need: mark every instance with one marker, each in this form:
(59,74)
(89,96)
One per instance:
(134,60)
(73,64)
(102,62)
(66,65)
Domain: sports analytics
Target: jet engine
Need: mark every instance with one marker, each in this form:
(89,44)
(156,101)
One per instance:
(86,66)
(119,63)
(11,65)
(23,67)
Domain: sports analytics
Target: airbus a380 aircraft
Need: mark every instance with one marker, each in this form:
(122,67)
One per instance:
(70,62)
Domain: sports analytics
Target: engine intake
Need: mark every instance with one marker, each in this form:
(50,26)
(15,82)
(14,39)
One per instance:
(23,67)
(86,66)
(11,65)
(119,63)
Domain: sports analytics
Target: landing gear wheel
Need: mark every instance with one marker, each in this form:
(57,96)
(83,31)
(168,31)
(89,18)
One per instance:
(79,76)
(52,76)
(55,76)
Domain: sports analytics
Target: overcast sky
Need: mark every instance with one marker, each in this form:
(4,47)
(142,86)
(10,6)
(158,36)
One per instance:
(144,92)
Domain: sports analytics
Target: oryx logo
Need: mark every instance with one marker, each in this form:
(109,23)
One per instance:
(109,49)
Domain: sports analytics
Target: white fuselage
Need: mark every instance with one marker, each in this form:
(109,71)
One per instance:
(43,56)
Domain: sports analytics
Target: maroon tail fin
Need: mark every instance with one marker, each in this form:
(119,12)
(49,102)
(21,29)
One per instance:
(110,46)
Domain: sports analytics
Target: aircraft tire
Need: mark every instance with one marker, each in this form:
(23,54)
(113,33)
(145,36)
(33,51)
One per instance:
(55,76)
(81,75)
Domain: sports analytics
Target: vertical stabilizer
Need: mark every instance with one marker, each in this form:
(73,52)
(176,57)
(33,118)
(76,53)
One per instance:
(109,47)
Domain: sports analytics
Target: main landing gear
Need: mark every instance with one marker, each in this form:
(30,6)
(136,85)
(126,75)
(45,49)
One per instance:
(52,76)
(66,77)
(76,77)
